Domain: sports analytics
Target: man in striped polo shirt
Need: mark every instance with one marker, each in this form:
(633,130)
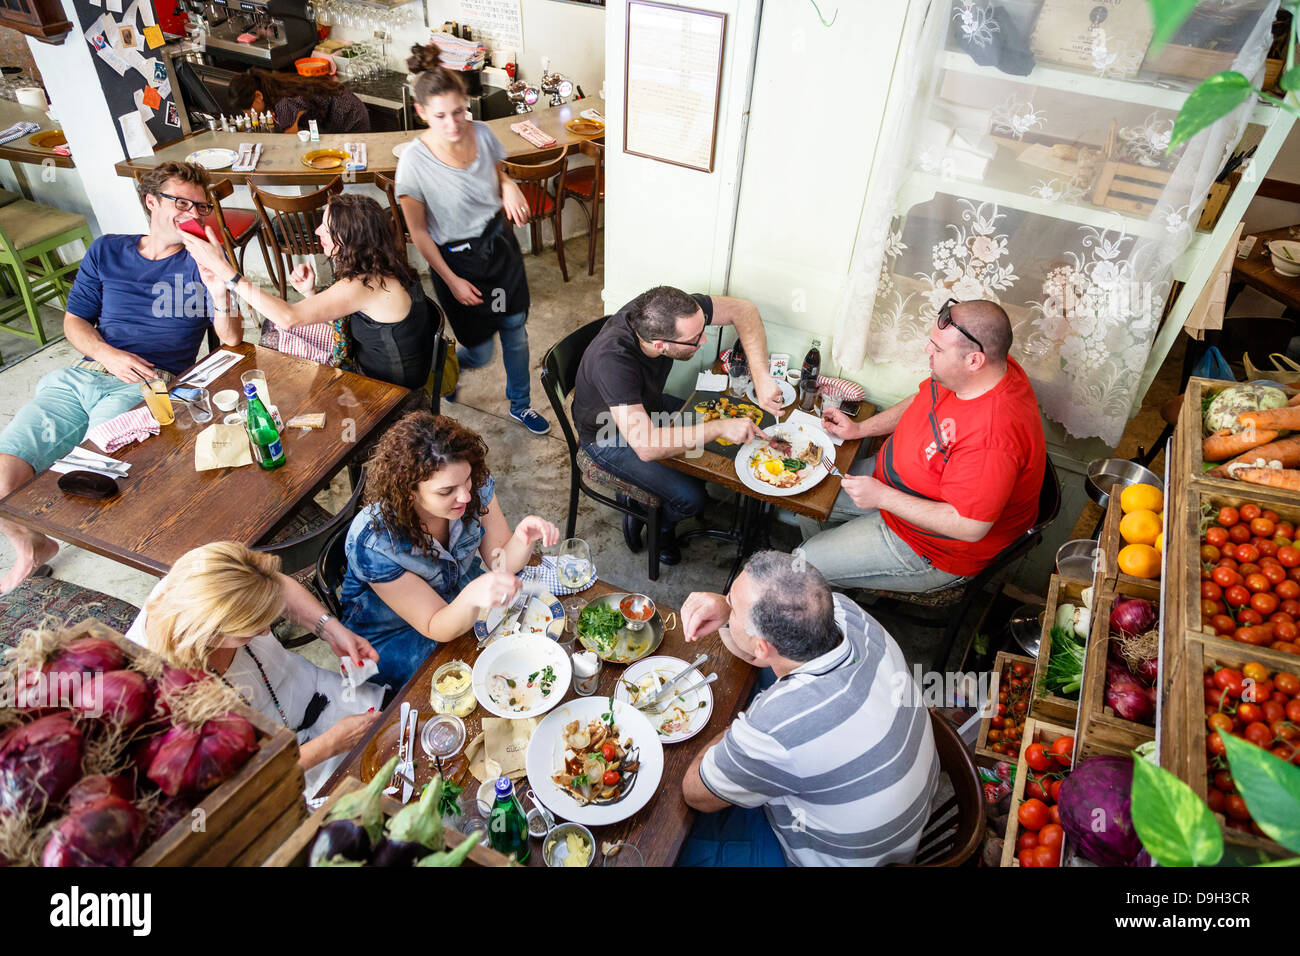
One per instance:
(838,752)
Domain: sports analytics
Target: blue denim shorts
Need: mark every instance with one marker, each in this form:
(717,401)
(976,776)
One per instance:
(67,404)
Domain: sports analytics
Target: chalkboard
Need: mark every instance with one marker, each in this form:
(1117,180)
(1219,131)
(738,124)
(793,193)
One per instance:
(124,42)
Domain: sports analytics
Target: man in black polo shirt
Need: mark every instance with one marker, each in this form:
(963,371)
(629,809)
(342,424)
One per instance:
(620,408)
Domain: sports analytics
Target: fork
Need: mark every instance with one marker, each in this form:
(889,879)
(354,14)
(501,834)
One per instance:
(516,607)
(829,465)
(401,748)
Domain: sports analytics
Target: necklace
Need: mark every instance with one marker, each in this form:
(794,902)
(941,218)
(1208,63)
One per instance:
(265,680)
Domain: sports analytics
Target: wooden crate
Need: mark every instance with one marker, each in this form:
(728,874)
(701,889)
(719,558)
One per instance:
(1036,732)
(1045,706)
(983,755)
(1099,731)
(1111,545)
(1190,433)
(1200,656)
(296,849)
(246,817)
(1189,61)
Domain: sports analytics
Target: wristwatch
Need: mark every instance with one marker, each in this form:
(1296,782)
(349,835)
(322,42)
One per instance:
(233,281)
(319,629)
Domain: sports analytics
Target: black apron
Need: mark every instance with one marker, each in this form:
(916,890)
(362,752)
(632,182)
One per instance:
(490,261)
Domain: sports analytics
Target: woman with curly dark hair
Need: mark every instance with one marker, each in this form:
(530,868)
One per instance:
(416,552)
(296,100)
(392,321)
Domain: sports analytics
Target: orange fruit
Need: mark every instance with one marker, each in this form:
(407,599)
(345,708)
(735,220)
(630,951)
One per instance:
(1141,498)
(1139,561)
(1140,527)
(1160,543)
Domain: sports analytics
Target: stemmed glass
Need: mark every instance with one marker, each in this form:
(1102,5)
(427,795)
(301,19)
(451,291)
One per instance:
(573,563)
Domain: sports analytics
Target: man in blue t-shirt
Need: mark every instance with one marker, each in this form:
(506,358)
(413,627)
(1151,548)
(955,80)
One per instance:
(139,310)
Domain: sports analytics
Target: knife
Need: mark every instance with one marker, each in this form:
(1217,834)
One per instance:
(408,781)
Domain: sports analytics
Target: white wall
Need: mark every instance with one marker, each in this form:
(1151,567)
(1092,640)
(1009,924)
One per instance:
(73,86)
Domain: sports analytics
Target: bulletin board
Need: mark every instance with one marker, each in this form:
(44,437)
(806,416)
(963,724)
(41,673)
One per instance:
(124,39)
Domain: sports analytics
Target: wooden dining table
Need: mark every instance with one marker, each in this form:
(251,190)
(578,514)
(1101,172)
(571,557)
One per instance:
(658,829)
(1257,271)
(165,507)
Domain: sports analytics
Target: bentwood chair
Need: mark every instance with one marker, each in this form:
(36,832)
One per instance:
(586,184)
(331,565)
(236,227)
(401,234)
(534,180)
(288,224)
(559,375)
(32,272)
(955,828)
(954,603)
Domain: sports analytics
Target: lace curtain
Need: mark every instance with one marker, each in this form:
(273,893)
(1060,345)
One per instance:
(1049,193)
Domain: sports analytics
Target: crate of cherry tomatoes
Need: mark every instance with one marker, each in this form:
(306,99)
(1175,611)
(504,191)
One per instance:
(1010,693)
(1243,579)
(1034,833)
(1253,694)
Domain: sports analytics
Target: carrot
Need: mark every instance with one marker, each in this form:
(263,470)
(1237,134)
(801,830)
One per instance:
(1224,444)
(1287,451)
(1288,478)
(1294,400)
(1282,418)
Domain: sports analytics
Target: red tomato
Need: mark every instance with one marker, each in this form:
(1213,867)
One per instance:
(1267,551)
(1257,582)
(1287,590)
(1249,713)
(610,778)
(1236,595)
(1236,808)
(1264,603)
(1046,855)
(1027,840)
(1229,516)
(1219,722)
(1248,512)
(1210,554)
(1214,744)
(1270,514)
(1062,749)
(1019,670)
(1212,592)
(1246,570)
(1210,608)
(1054,812)
(1275,573)
(1223,781)
(1247,554)
(1026,857)
(1216,800)
(1284,529)
(1273,710)
(1054,790)
(1263,527)
(1291,606)
(1052,835)
(1239,533)
(1225,577)
(1036,757)
(1034,788)
(1249,616)
(1293,711)
(1223,624)
(1284,730)
(1033,814)
(1216,536)
(1258,733)
(1287,683)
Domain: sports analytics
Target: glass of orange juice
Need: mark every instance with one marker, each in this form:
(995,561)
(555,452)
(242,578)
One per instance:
(159,402)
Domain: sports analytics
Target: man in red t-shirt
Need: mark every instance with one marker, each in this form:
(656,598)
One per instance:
(959,477)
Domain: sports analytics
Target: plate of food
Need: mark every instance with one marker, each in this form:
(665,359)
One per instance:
(688,713)
(522,676)
(603,630)
(787,462)
(213,158)
(543,614)
(594,737)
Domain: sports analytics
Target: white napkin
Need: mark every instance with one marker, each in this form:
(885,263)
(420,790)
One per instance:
(62,466)
(211,367)
(798,417)
(709,382)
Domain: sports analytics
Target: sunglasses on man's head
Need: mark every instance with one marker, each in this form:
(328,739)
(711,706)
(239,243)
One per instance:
(945,319)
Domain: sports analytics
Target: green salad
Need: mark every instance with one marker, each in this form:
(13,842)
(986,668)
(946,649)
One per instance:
(599,624)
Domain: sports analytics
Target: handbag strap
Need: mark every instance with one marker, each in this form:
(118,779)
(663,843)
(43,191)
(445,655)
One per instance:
(1284,363)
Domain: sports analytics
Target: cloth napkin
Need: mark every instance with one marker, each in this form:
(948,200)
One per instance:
(26,128)
(135,425)
(709,382)
(533,133)
(548,576)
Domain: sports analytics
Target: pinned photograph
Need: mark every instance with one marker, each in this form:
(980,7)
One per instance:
(173,118)
(99,42)
(127,35)
(159,72)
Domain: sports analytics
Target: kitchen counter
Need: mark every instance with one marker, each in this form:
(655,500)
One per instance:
(282,152)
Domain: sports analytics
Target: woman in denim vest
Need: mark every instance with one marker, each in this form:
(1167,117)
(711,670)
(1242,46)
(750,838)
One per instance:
(417,551)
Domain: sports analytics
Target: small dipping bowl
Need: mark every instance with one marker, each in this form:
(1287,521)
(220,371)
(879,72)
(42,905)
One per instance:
(556,848)
(1076,559)
(226,399)
(636,609)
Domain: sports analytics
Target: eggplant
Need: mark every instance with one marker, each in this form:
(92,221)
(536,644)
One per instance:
(346,839)
(390,853)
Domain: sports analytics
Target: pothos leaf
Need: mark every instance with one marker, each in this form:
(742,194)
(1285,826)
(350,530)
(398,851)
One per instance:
(1168,16)
(1271,788)
(1214,99)
(1173,823)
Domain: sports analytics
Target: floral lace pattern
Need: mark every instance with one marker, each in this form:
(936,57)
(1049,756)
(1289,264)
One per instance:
(976,23)
(1016,117)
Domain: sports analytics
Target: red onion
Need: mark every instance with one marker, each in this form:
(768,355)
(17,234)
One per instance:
(1129,699)
(38,763)
(192,761)
(97,786)
(172,680)
(170,812)
(1148,670)
(1132,616)
(143,754)
(122,697)
(103,832)
(87,654)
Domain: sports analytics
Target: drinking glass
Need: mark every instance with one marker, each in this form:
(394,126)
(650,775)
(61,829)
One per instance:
(586,686)
(627,855)
(159,402)
(200,406)
(573,563)
(258,378)
(738,378)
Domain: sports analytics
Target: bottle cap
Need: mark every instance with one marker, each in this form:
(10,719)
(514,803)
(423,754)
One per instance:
(250,390)
(504,787)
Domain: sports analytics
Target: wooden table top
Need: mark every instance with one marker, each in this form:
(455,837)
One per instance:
(165,507)
(816,502)
(282,152)
(21,150)
(1257,270)
(660,827)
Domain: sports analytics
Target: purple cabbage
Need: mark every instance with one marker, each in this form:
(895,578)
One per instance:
(1109,838)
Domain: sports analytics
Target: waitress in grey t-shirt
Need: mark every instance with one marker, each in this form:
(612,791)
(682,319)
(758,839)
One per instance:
(450,180)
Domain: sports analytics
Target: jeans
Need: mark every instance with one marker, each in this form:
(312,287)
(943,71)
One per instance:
(857,549)
(736,836)
(681,495)
(514,352)
(68,403)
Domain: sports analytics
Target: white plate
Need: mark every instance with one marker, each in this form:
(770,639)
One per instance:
(788,394)
(518,657)
(400,148)
(214,158)
(797,435)
(545,756)
(543,614)
(665,669)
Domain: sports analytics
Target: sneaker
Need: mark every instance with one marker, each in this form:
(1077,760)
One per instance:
(534,422)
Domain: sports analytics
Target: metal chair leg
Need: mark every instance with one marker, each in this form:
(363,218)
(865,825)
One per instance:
(652,541)
(573,503)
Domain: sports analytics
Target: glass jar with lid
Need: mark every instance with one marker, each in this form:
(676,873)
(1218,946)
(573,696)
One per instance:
(452,689)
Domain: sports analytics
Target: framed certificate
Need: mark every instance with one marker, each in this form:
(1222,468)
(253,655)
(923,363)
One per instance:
(672,83)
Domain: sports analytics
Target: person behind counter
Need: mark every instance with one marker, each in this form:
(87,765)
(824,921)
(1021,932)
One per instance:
(451,181)
(295,100)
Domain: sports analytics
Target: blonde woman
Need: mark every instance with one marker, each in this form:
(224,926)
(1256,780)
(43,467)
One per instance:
(214,611)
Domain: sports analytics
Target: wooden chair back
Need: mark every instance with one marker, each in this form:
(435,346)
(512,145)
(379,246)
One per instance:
(401,234)
(533,179)
(956,827)
(301,553)
(289,224)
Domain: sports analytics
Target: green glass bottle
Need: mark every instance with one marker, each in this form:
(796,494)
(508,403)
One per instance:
(508,827)
(262,433)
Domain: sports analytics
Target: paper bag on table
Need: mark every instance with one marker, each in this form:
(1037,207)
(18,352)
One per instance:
(221,446)
(499,751)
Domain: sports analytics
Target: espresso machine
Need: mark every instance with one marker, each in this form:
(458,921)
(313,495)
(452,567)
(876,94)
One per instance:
(267,33)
